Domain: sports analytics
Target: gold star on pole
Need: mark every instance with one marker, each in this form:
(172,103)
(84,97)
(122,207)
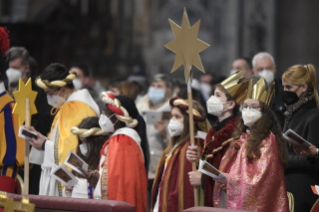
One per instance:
(186,46)
(25,92)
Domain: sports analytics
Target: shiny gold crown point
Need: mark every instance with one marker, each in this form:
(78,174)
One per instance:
(259,92)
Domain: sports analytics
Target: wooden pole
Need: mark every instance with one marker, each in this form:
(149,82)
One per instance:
(191,128)
(27,149)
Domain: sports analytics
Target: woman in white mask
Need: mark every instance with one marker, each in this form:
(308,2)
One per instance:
(156,100)
(91,139)
(225,105)
(171,189)
(254,163)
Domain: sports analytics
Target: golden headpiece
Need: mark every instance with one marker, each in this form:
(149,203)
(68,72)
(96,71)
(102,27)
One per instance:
(200,120)
(235,87)
(84,133)
(258,91)
(56,84)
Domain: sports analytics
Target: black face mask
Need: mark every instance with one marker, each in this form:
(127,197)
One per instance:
(289,97)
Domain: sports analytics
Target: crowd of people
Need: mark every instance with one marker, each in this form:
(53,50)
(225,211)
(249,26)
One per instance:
(136,138)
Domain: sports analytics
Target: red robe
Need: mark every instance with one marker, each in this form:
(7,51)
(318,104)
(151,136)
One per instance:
(127,177)
(176,192)
(215,146)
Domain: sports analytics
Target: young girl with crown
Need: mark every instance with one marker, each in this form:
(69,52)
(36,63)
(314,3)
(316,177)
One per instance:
(254,164)
(225,105)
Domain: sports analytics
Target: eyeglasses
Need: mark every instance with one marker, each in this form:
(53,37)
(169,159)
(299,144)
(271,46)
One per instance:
(251,107)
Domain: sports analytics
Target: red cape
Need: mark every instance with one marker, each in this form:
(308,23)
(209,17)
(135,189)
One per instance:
(127,177)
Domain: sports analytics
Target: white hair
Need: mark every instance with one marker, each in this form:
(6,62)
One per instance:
(262,55)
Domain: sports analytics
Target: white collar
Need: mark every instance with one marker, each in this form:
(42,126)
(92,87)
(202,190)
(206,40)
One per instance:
(85,97)
(2,88)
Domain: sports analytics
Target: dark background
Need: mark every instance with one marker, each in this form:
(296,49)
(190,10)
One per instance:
(115,37)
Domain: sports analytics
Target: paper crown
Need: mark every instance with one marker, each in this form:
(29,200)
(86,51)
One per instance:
(258,91)
(235,87)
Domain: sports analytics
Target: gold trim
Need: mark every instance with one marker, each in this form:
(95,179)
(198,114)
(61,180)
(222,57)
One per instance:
(24,205)
(235,87)
(5,202)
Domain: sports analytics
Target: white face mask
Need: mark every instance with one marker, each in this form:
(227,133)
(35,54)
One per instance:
(84,148)
(13,75)
(56,100)
(250,116)
(215,106)
(175,128)
(77,84)
(106,124)
(268,75)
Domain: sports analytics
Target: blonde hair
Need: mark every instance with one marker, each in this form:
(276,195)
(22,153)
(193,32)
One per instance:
(298,75)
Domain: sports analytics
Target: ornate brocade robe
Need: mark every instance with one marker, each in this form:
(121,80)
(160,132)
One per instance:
(258,186)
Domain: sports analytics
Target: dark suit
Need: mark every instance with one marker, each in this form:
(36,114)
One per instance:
(278,107)
(302,171)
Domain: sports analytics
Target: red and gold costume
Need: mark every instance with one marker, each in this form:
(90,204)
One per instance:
(219,136)
(176,192)
(257,185)
(123,176)
(172,190)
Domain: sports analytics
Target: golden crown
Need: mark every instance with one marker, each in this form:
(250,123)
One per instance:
(259,92)
(235,87)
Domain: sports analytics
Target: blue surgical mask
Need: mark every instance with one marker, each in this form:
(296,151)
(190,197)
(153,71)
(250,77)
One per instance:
(156,95)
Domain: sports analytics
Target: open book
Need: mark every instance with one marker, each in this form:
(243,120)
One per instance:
(63,175)
(210,170)
(292,137)
(73,161)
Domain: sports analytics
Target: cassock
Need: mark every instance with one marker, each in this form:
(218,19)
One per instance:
(11,146)
(78,106)
(122,171)
(172,190)
(257,186)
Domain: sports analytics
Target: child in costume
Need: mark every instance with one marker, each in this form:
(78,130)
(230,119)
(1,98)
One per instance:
(72,106)
(172,190)
(91,139)
(122,173)
(254,163)
(11,146)
(225,105)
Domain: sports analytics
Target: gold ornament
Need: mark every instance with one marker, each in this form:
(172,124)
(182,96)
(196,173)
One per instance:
(235,87)
(186,46)
(25,92)
(258,92)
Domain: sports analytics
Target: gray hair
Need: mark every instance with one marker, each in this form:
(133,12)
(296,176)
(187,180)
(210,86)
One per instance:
(262,55)
(19,52)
